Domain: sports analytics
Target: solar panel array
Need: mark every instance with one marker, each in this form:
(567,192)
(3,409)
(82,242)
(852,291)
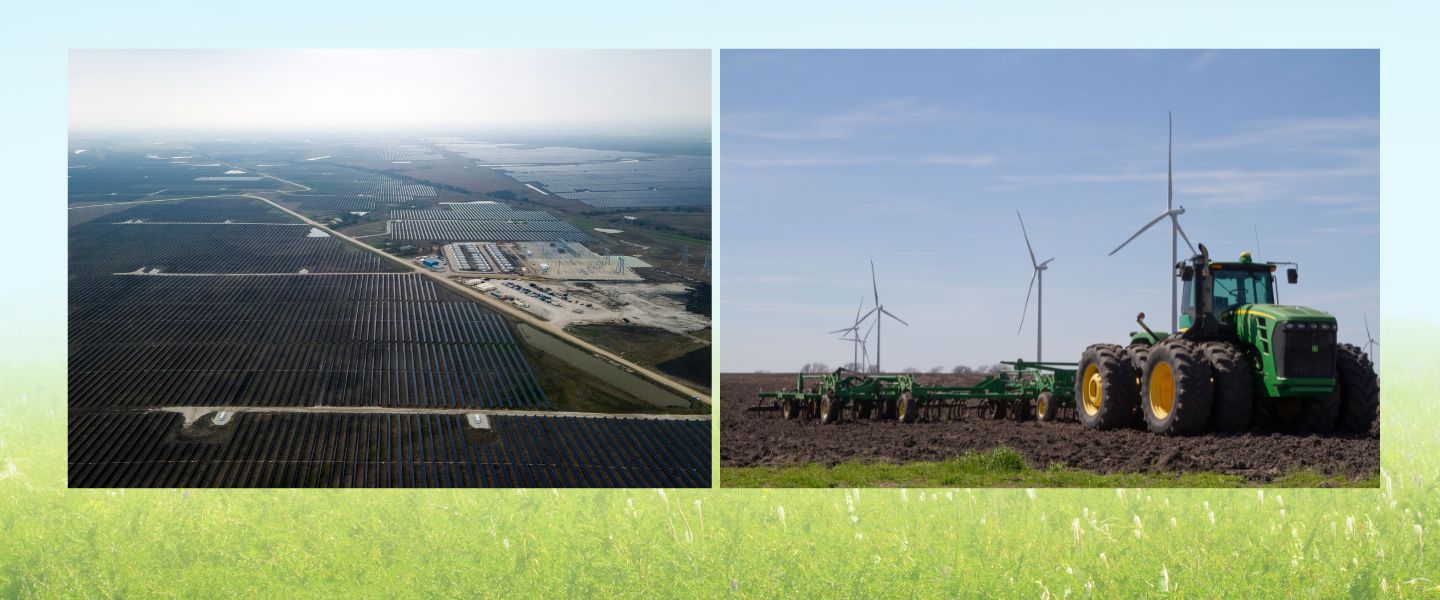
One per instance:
(251,308)
(524,154)
(97,247)
(397,152)
(486,231)
(340,340)
(599,178)
(202,210)
(466,212)
(124,176)
(386,450)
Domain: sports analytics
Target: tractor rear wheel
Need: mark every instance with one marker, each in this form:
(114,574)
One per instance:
(1358,388)
(1106,392)
(1046,407)
(996,409)
(907,408)
(1176,390)
(830,409)
(1138,353)
(1234,403)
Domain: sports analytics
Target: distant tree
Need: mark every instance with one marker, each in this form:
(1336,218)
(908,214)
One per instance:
(852,366)
(962,370)
(815,367)
(911,370)
(937,369)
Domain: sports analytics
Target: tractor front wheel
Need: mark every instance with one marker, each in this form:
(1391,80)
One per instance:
(907,408)
(1234,403)
(1046,407)
(1358,388)
(1106,392)
(1176,390)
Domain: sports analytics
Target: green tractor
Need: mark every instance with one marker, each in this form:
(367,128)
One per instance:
(1237,354)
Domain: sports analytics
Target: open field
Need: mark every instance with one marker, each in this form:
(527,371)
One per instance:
(673,354)
(750,439)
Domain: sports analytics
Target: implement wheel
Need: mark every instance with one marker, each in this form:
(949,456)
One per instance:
(830,409)
(1234,403)
(884,409)
(1358,389)
(1046,407)
(1107,395)
(1177,391)
(789,409)
(907,408)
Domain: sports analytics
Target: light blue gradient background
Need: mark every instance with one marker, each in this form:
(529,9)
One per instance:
(36,36)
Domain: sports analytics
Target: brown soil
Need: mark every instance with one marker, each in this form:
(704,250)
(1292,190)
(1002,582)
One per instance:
(764,439)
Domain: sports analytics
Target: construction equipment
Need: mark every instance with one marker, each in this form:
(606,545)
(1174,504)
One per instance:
(1022,390)
(1237,353)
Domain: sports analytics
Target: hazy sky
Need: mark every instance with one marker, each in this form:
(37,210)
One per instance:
(545,90)
(919,160)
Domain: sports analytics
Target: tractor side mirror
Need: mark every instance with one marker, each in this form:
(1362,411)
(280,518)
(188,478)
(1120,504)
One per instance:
(1292,275)
(1187,273)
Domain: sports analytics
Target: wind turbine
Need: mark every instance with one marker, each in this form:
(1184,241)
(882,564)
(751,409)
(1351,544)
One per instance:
(1174,215)
(1039,277)
(1370,342)
(854,330)
(880,313)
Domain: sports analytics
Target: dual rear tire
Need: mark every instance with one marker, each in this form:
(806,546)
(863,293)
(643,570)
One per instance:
(1175,387)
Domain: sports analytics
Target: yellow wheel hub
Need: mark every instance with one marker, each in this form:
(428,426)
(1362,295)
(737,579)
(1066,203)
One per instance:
(1040,406)
(1093,392)
(1162,390)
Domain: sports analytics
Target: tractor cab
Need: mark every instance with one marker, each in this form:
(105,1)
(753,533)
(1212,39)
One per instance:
(1231,286)
(1293,346)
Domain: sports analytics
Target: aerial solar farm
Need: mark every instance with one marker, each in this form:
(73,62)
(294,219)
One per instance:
(294,312)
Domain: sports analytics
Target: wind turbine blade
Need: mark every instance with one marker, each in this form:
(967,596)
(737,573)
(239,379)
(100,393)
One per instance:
(873,285)
(869,330)
(1142,230)
(859,308)
(1027,238)
(1026,310)
(1047,261)
(862,319)
(1170,163)
(892,315)
(1367,328)
(851,328)
(1180,229)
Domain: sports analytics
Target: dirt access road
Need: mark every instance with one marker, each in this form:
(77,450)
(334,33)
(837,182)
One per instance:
(764,439)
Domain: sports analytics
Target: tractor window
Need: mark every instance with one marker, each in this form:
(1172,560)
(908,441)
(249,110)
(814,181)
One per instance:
(1235,287)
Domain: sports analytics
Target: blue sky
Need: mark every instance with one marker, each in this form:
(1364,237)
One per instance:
(919,160)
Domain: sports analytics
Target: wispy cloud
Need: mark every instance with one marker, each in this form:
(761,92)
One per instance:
(834,126)
(1310,135)
(821,160)
(1224,186)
